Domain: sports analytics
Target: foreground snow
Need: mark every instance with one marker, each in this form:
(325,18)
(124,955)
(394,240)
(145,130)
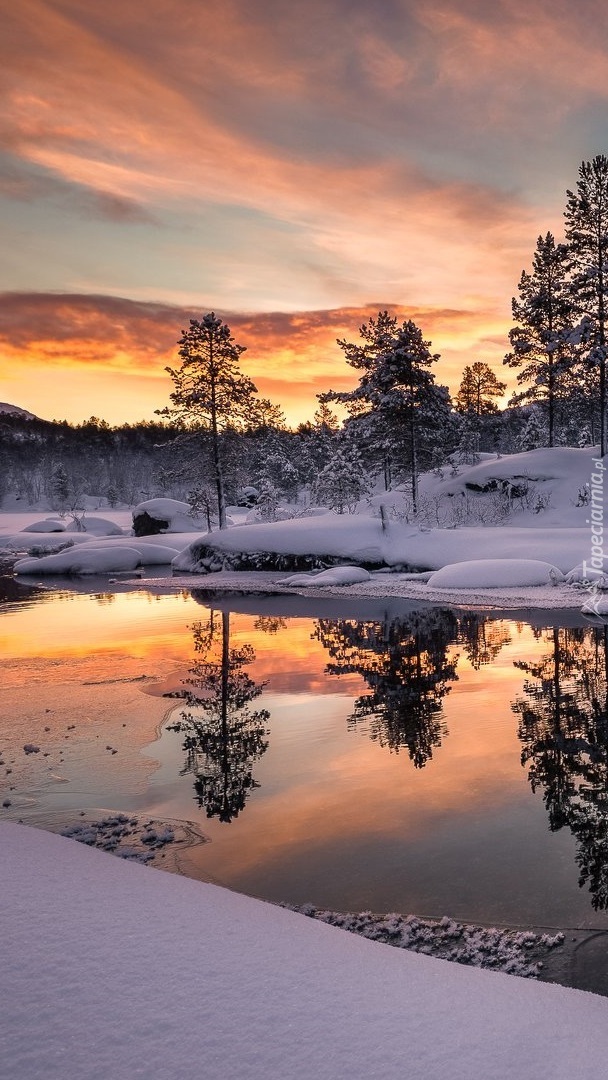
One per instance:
(110,969)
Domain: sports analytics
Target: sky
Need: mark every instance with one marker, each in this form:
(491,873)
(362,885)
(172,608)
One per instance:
(294,167)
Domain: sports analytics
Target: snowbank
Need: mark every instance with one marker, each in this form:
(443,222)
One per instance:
(338,575)
(84,559)
(102,556)
(495,573)
(363,540)
(111,969)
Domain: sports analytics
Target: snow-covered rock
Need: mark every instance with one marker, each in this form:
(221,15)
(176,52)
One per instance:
(153,554)
(165,515)
(583,575)
(335,575)
(495,573)
(95,526)
(83,559)
(303,543)
(48,525)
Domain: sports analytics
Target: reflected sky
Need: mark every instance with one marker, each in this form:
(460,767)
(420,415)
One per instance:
(335,816)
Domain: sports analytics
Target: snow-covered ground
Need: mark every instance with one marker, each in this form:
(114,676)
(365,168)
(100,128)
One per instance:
(503,531)
(111,969)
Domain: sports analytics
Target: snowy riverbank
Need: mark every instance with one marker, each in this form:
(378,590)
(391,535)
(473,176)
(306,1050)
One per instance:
(381,585)
(115,970)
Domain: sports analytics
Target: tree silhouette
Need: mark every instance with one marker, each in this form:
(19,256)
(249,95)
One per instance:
(586,217)
(541,340)
(478,388)
(405,663)
(397,410)
(223,737)
(210,392)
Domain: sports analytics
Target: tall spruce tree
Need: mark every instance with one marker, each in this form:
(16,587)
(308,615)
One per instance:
(542,339)
(397,407)
(587,236)
(210,393)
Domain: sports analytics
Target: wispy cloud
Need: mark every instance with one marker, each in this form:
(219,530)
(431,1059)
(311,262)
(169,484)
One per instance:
(258,156)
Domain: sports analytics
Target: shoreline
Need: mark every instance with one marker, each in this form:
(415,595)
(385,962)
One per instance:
(382,586)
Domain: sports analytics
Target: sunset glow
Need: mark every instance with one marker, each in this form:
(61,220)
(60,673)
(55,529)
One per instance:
(296,169)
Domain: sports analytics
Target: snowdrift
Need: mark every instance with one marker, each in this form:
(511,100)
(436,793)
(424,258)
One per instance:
(110,969)
(318,543)
(495,573)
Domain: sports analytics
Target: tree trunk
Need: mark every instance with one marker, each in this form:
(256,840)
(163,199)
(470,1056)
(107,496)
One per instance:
(217,462)
(414,462)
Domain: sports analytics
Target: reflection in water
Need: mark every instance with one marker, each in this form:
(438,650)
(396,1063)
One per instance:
(482,638)
(223,738)
(564,731)
(406,665)
(335,818)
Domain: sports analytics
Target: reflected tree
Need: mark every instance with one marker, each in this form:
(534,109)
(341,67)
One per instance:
(223,737)
(564,731)
(482,638)
(406,665)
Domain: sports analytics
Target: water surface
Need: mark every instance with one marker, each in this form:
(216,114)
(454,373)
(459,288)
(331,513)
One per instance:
(413,759)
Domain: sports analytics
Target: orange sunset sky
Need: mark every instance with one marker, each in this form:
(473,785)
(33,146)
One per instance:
(293,166)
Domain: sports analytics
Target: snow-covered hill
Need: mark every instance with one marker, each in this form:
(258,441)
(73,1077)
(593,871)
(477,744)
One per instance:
(546,487)
(15,410)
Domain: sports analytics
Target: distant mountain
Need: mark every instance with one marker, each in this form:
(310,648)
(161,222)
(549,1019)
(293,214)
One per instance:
(16,411)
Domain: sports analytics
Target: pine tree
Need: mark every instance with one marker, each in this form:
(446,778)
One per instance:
(343,481)
(478,388)
(210,392)
(60,487)
(542,340)
(534,433)
(468,442)
(396,408)
(587,235)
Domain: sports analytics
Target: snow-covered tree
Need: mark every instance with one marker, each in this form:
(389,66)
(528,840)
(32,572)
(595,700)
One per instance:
(542,341)
(587,236)
(534,433)
(343,481)
(268,500)
(467,448)
(60,487)
(396,410)
(209,390)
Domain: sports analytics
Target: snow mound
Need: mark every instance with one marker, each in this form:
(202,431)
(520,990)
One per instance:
(154,554)
(112,969)
(49,525)
(96,526)
(83,559)
(495,573)
(165,515)
(559,463)
(583,574)
(336,575)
